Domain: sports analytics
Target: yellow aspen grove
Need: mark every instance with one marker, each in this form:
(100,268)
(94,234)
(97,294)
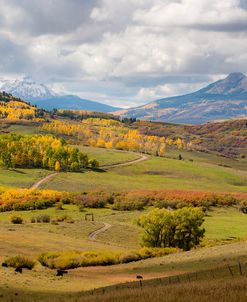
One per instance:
(112,134)
(57,166)
(162,149)
(179,143)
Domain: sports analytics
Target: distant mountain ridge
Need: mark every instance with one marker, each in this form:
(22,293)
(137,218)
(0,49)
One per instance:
(72,102)
(220,100)
(42,96)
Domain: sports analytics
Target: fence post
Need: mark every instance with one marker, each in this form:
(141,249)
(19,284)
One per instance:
(240,269)
(212,272)
(141,283)
(230,270)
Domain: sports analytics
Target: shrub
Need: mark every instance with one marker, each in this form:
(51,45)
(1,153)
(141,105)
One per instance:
(66,200)
(129,204)
(81,208)
(25,199)
(62,218)
(33,220)
(129,257)
(16,219)
(93,199)
(243,207)
(20,261)
(44,218)
(93,163)
(70,260)
(59,206)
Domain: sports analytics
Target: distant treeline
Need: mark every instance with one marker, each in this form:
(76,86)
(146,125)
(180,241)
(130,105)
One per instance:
(83,114)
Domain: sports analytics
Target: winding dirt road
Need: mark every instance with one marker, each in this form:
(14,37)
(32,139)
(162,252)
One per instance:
(143,157)
(106,226)
(43,180)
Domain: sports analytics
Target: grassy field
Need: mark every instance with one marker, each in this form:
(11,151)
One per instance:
(222,224)
(22,178)
(226,224)
(42,282)
(23,129)
(210,158)
(107,156)
(156,173)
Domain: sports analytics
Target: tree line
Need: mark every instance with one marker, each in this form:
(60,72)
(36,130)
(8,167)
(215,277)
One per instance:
(42,151)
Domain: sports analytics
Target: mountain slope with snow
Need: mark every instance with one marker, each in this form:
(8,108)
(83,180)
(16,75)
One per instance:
(26,89)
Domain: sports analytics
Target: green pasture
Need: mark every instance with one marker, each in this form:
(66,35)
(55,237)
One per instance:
(156,173)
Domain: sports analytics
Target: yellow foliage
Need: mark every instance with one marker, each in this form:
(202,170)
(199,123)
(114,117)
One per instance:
(14,110)
(107,133)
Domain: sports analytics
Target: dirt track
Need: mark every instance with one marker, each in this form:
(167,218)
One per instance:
(143,157)
(92,236)
(43,180)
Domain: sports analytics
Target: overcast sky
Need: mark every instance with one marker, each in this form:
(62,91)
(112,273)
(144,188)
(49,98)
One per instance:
(123,52)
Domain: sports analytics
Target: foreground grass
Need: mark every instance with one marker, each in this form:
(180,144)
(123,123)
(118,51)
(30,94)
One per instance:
(44,286)
(41,283)
(203,291)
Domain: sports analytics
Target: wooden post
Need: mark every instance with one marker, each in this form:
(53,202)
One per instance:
(240,269)
(89,215)
(141,283)
(212,272)
(230,270)
(140,278)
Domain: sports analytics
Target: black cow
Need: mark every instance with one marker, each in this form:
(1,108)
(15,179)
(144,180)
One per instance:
(61,272)
(18,270)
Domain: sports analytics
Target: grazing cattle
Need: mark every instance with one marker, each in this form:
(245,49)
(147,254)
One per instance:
(61,272)
(139,277)
(18,270)
(4,264)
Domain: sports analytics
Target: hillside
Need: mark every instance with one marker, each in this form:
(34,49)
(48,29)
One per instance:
(12,108)
(223,99)
(228,138)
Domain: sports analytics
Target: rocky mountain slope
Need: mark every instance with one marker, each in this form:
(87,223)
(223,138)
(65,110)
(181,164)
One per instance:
(221,100)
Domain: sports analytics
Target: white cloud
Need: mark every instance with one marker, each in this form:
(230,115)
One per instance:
(120,51)
(203,14)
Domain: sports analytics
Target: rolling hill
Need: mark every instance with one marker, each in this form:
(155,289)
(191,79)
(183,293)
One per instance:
(221,100)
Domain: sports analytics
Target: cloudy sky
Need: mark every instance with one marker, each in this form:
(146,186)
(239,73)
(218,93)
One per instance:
(123,52)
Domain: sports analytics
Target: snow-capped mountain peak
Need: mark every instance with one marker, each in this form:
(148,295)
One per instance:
(26,88)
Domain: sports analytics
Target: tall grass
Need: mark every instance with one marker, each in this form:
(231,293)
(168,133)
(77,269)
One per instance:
(200,291)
